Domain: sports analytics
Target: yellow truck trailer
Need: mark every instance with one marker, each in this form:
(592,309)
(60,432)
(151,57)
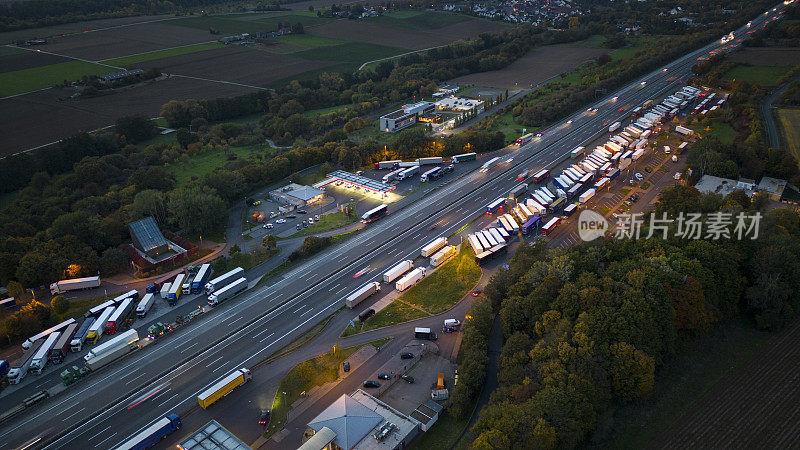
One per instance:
(223,387)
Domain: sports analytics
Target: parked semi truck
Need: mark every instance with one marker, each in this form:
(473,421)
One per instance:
(224,279)
(41,357)
(20,367)
(361,294)
(144,305)
(388,164)
(76,344)
(442,255)
(410,279)
(64,286)
(63,344)
(223,387)
(153,434)
(199,281)
(227,292)
(431,160)
(464,157)
(165,290)
(109,351)
(27,344)
(176,289)
(119,316)
(397,270)
(433,247)
(98,326)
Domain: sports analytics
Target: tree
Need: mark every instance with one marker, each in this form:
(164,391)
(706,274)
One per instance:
(135,128)
(311,8)
(113,261)
(149,203)
(184,137)
(269,241)
(59,304)
(15,289)
(297,28)
(197,209)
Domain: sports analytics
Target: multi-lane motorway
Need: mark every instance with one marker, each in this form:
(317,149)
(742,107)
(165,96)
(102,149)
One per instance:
(97,412)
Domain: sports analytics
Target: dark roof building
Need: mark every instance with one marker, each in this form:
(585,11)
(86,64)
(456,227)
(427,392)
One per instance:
(148,238)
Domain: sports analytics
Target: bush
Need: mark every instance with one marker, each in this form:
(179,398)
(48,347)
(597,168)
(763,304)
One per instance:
(311,245)
(59,304)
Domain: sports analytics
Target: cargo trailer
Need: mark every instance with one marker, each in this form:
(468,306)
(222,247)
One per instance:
(410,279)
(76,344)
(20,367)
(27,344)
(40,359)
(227,292)
(361,294)
(397,270)
(153,434)
(98,326)
(64,343)
(144,305)
(64,286)
(224,279)
(176,289)
(464,157)
(199,281)
(442,256)
(433,247)
(119,317)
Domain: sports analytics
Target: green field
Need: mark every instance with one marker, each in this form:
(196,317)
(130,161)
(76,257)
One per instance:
(204,163)
(321,111)
(420,20)
(721,130)
(636,44)
(763,75)
(396,312)
(227,25)
(593,41)
(26,80)
(350,52)
(309,40)
(450,283)
(6,50)
(165,53)
(328,222)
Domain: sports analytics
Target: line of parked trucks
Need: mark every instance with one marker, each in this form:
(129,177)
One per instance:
(112,317)
(403,274)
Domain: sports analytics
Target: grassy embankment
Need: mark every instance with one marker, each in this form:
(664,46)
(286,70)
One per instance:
(789,120)
(433,295)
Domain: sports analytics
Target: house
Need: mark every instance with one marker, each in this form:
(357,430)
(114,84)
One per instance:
(297,195)
(773,187)
(709,184)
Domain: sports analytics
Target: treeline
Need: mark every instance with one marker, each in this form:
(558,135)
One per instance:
(587,327)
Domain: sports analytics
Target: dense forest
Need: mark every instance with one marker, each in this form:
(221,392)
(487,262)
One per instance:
(588,326)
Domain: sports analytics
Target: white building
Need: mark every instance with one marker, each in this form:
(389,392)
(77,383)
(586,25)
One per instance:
(459,104)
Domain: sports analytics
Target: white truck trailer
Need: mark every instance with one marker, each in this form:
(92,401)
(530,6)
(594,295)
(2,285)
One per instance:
(225,278)
(64,286)
(165,290)
(40,359)
(109,351)
(442,256)
(433,247)
(410,279)
(397,270)
(144,305)
(20,367)
(227,292)
(362,293)
(27,344)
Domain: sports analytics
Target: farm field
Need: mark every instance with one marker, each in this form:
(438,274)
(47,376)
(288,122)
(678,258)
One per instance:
(199,66)
(24,129)
(378,33)
(763,75)
(754,406)
(790,128)
(538,65)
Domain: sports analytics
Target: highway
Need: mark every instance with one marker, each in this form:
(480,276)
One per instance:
(166,377)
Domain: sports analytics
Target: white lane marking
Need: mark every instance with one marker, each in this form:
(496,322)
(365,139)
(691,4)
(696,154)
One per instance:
(261,332)
(72,415)
(187,348)
(134,379)
(99,433)
(168,400)
(268,336)
(212,362)
(104,440)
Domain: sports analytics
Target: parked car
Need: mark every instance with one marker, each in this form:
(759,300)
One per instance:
(268,226)
(384,376)
(346,366)
(305,225)
(280,221)
(477,292)
(291,216)
(648,170)
(371,384)
(316,218)
(311,221)
(263,417)
(302,211)
(639,176)
(298,227)
(406,355)
(407,378)
(448,330)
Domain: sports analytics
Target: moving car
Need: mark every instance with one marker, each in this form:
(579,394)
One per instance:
(477,292)
(371,384)
(280,221)
(346,366)
(384,376)
(406,355)
(268,226)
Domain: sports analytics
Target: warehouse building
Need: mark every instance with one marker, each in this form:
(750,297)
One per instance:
(297,195)
(405,116)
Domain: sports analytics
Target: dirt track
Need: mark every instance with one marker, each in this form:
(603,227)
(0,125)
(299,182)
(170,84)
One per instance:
(537,66)
(756,406)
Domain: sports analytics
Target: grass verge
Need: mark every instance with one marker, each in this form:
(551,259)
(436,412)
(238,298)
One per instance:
(445,433)
(305,376)
(790,128)
(328,222)
(396,312)
(449,284)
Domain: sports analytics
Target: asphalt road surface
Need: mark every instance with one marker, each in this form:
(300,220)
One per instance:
(95,412)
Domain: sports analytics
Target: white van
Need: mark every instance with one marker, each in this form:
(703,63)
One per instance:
(667,150)
(452,323)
